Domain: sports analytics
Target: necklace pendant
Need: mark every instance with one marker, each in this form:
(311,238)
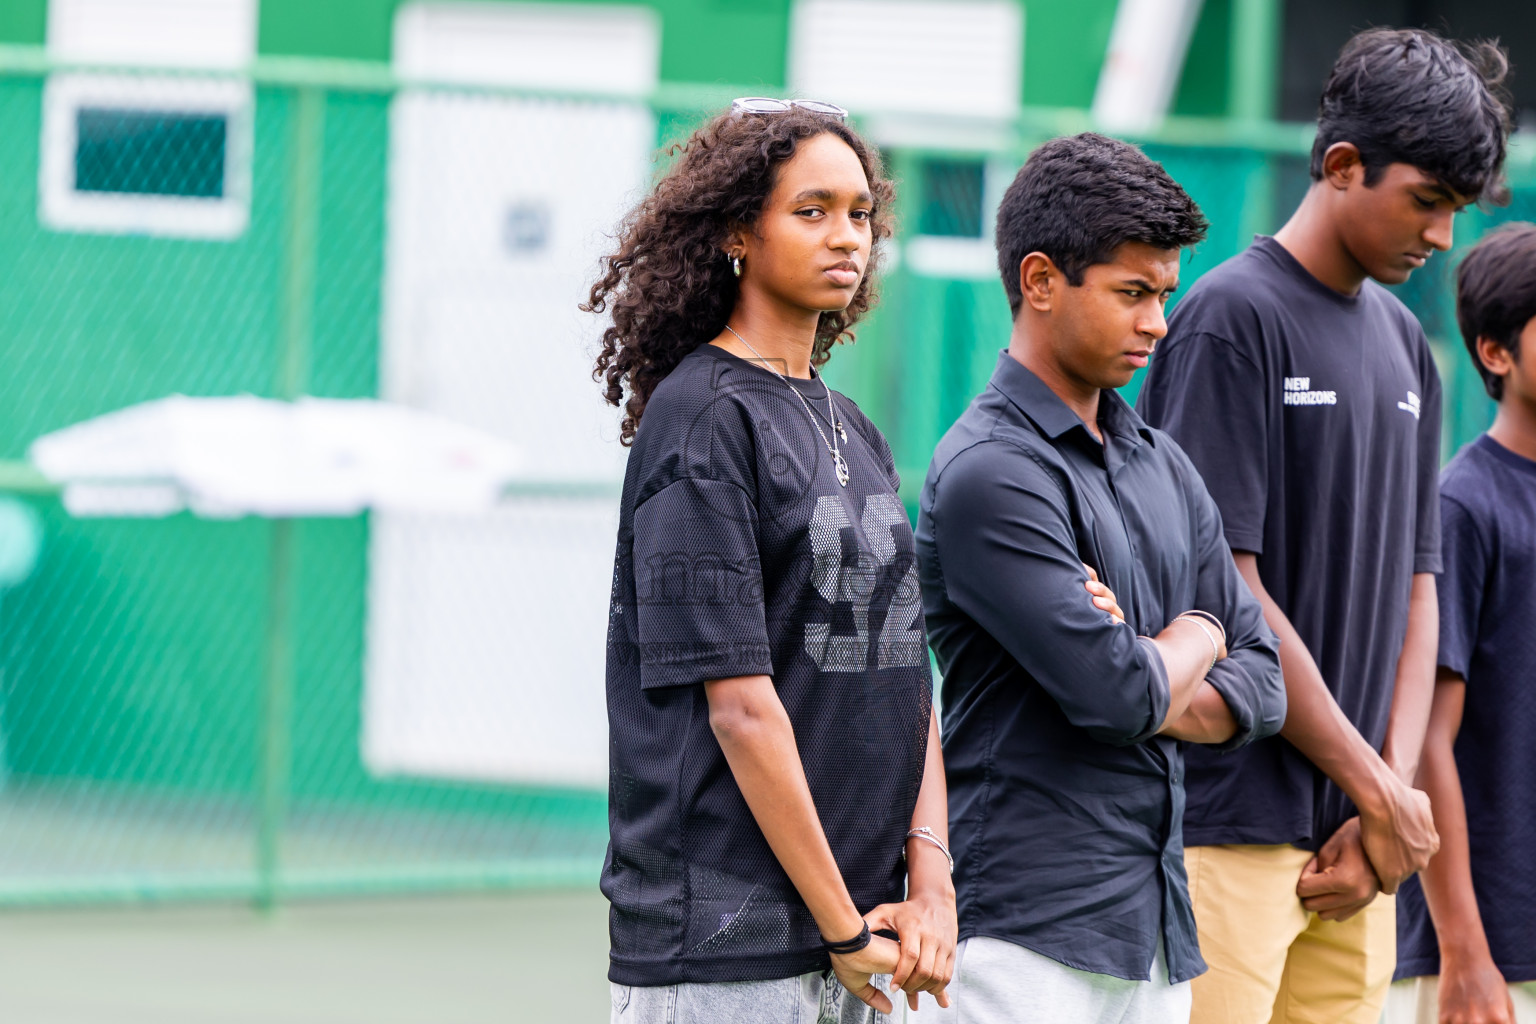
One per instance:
(842,469)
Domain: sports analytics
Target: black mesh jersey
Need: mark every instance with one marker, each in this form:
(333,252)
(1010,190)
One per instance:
(739,554)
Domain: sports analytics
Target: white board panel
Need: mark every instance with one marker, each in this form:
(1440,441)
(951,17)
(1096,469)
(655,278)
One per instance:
(604,49)
(163,33)
(958,58)
(486,635)
(486,644)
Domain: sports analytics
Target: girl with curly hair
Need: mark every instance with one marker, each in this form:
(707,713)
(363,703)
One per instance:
(776,788)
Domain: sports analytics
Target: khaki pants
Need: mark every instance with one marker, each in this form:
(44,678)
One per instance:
(1270,959)
(1417,1001)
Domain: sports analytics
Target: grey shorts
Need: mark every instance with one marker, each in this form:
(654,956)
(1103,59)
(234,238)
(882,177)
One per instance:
(808,999)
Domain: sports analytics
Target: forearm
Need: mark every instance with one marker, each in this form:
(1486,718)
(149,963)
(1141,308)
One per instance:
(758,740)
(927,867)
(1414,687)
(1314,723)
(1187,653)
(1448,877)
(1207,719)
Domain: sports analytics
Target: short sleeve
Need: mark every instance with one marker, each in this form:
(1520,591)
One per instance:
(1459,586)
(699,585)
(1426,543)
(1211,398)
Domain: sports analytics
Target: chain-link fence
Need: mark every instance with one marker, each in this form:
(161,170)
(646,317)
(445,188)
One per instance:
(258,709)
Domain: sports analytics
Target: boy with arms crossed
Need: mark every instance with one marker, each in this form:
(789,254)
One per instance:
(1306,395)
(1479,764)
(1061,722)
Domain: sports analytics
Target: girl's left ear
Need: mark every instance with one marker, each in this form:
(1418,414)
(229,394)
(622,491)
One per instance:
(735,243)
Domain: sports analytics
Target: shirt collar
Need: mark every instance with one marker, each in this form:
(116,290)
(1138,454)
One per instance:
(1050,414)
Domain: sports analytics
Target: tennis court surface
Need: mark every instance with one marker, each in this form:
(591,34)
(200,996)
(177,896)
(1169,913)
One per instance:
(534,958)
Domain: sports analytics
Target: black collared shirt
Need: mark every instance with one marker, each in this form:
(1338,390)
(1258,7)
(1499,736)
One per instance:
(1065,805)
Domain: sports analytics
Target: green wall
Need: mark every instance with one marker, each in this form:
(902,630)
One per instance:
(23,21)
(142,638)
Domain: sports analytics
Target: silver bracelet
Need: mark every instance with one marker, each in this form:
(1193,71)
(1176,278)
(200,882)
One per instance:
(1208,617)
(927,835)
(1215,647)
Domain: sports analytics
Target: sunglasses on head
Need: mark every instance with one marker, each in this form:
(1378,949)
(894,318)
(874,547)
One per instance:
(769,105)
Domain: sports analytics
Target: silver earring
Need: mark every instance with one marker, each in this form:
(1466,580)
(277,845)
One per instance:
(736,265)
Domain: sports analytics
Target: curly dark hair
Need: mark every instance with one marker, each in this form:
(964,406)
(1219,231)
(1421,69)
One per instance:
(669,287)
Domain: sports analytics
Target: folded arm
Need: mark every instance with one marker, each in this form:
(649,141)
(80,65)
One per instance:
(1243,698)
(1010,561)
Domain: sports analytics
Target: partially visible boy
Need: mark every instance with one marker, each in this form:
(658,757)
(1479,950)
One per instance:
(1479,763)
(1305,393)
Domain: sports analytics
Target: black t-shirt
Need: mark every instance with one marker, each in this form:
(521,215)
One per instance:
(1314,418)
(740,554)
(1487,598)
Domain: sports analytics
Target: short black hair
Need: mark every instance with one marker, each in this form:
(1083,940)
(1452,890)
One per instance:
(1080,198)
(1496,294)
(1408,96)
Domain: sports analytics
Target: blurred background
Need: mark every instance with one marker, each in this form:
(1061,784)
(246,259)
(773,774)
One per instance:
(352,767)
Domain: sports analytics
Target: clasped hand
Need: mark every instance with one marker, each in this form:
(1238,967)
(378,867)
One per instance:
(922,961)
(1360,859)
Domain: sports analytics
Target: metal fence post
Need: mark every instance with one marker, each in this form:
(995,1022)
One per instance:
(1252,91)
(306,137)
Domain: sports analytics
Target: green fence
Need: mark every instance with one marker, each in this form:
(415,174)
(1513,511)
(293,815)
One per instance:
(150,750)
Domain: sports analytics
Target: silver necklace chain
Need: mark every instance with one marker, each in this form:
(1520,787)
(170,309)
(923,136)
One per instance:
(838,462)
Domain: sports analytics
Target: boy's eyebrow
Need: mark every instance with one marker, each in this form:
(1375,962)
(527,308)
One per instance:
(1137,282)
(1447,193)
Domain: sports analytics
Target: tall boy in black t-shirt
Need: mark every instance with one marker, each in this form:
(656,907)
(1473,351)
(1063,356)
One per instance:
(1306,395)
(1477,960)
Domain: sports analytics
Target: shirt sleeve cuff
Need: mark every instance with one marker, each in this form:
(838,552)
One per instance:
(1242,539)
(1158,695)
(1227,681)
(686,663)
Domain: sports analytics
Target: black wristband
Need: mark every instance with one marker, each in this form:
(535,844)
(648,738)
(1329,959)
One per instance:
(853,945)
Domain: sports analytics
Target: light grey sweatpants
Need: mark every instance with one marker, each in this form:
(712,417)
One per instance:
(997,982)
(808,999)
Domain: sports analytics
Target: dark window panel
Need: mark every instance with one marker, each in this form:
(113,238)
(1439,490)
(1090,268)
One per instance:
(150,152)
